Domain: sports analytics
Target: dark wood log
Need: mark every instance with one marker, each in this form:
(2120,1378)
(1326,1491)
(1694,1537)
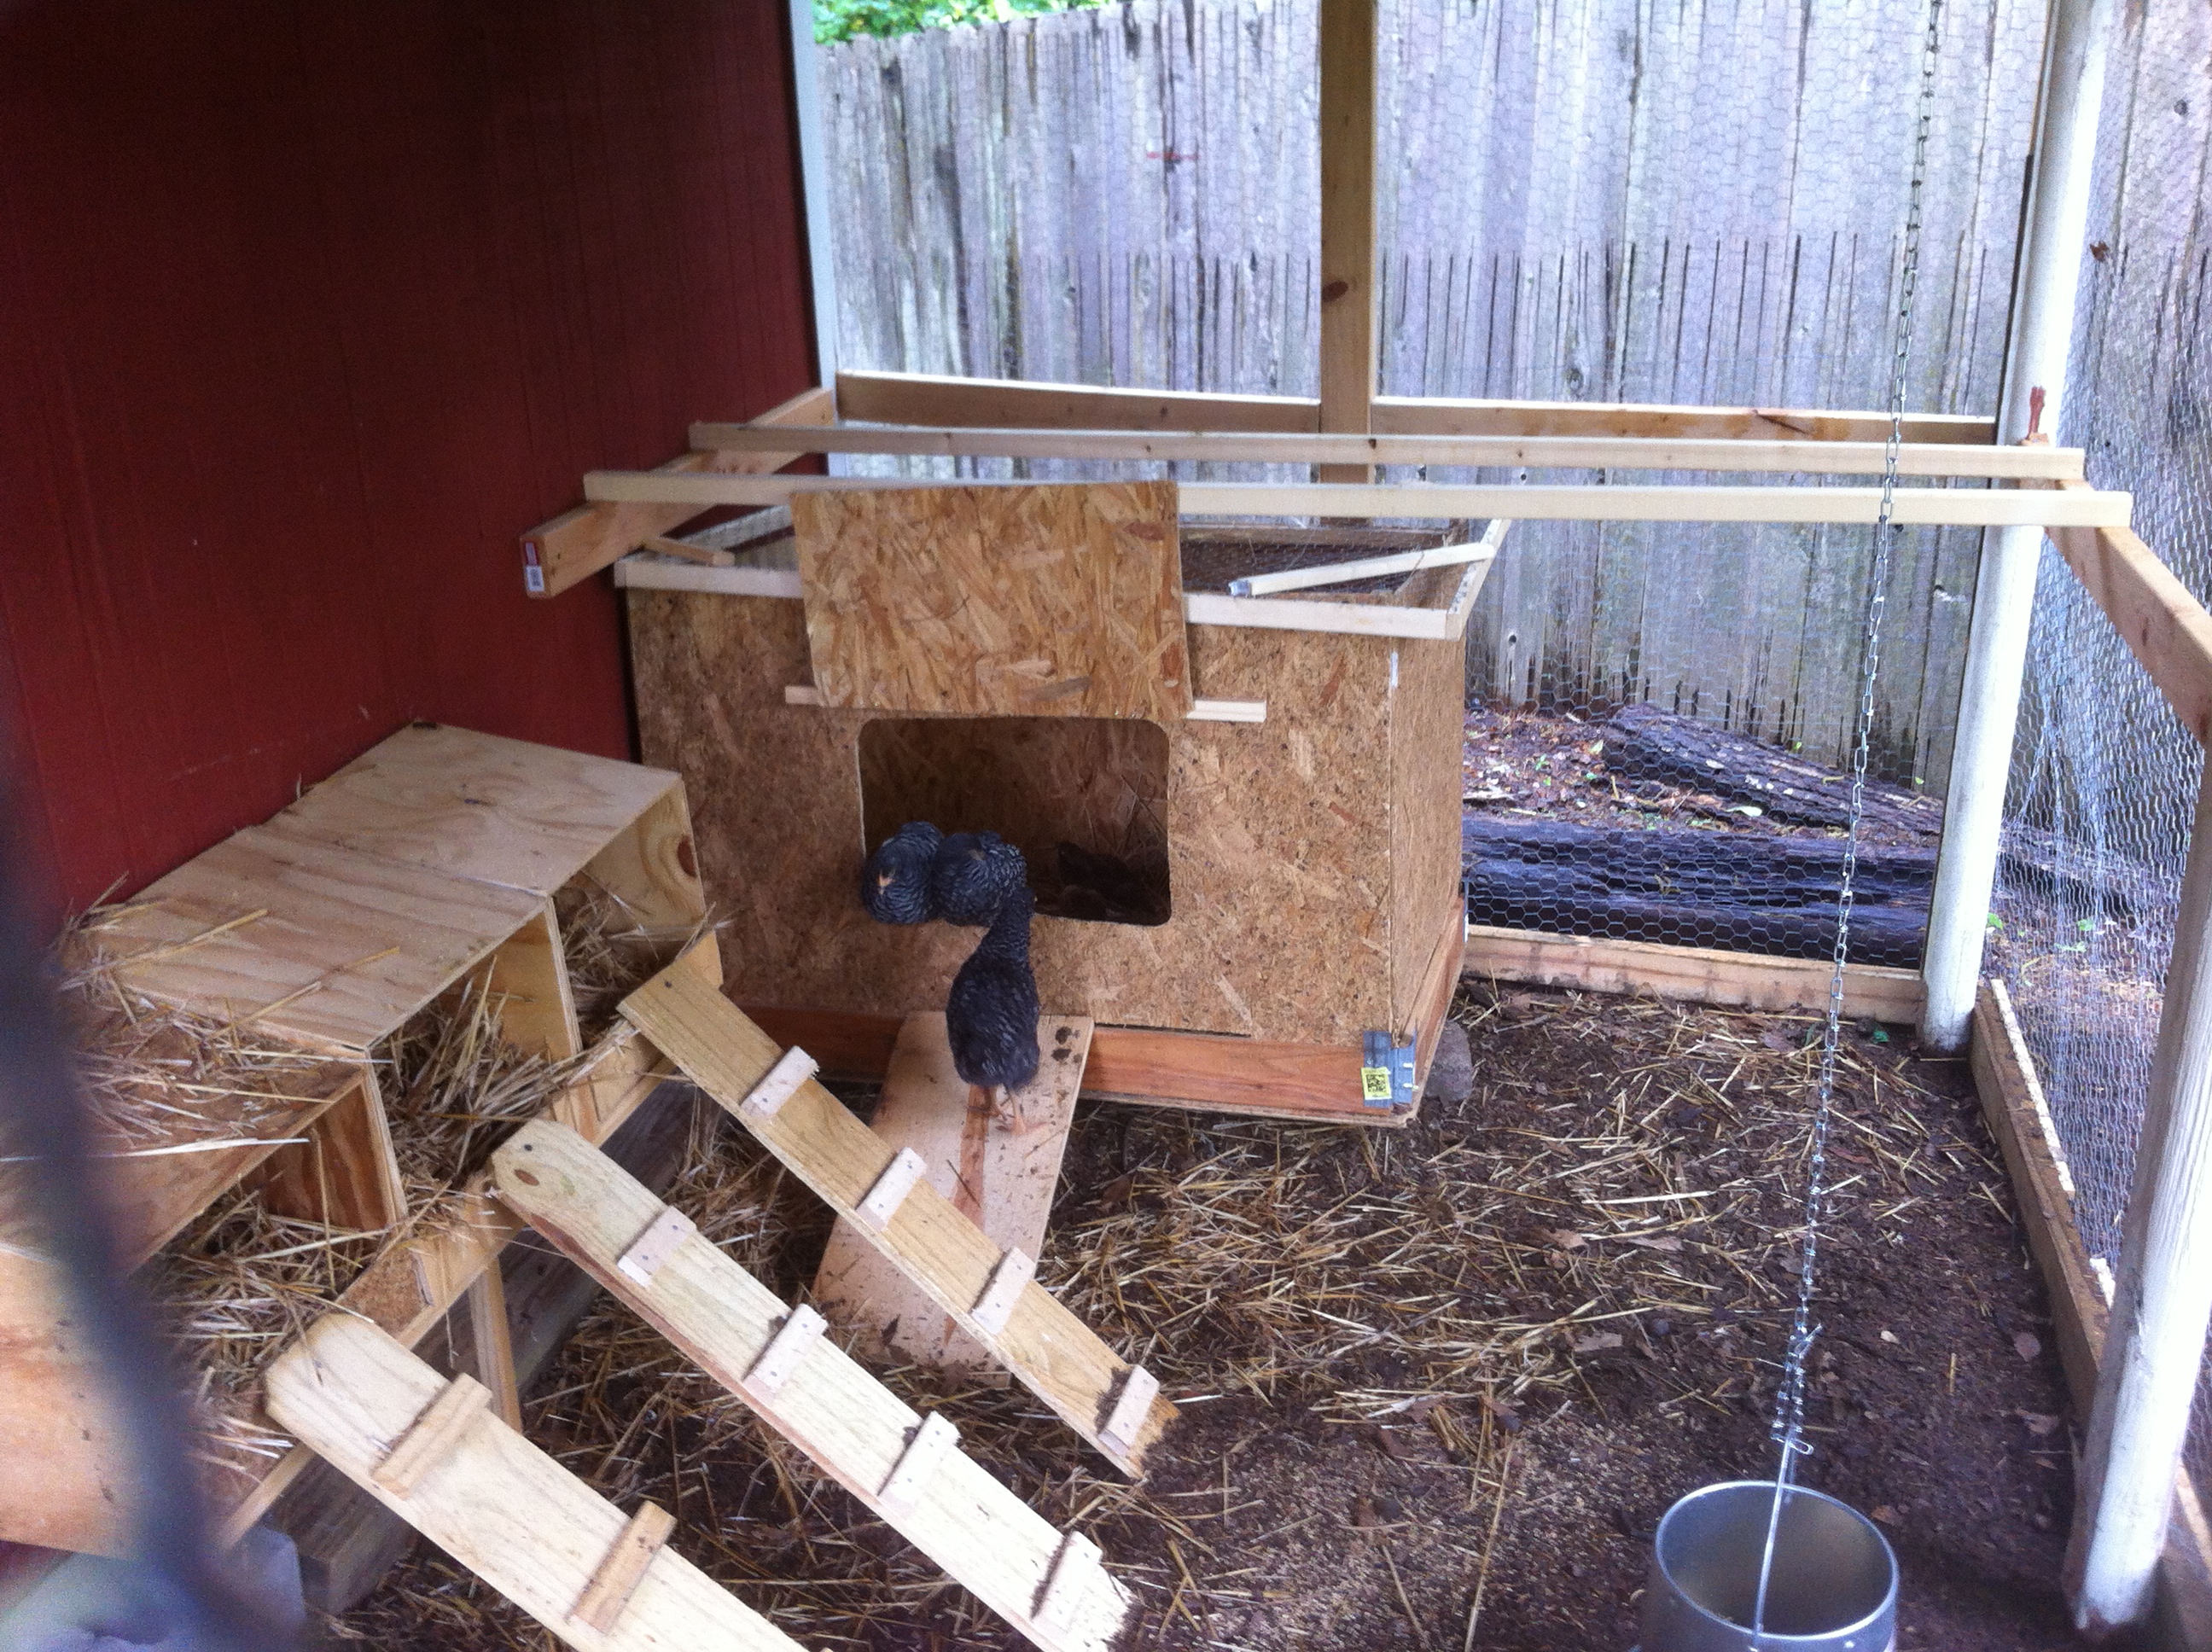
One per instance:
(1774,896)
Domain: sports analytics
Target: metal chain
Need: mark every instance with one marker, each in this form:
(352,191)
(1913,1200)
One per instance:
(1788,1429)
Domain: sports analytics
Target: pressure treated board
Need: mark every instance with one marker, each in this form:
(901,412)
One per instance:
(1056,601)
(999,1166)
(1053,1353)
(494,1502)
(856,1429)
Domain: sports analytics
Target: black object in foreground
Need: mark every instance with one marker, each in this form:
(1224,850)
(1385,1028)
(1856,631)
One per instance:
(895,885)
(972,876)
(991,1017)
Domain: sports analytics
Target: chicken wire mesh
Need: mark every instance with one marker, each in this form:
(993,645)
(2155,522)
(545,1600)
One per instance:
(2104,777)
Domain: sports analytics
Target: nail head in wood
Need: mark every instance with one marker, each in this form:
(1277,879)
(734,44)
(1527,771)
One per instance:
(652,1247)
(910,1475)
(624,1568)
(765,1099)
(794,1341)
(897,1181)
(431,1437)
(1138,1389)
(996,1305)
(1073,1568)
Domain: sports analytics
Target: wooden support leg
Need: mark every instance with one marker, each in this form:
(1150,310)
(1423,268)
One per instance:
(493,1350)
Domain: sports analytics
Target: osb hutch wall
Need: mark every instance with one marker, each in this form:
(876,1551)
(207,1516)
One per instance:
(1313,858)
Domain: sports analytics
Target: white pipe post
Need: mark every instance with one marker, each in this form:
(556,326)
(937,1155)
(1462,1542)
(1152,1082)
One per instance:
(2154,1342)
(814,192)
(2053,236)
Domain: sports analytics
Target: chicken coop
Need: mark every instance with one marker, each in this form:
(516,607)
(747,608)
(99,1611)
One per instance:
(542,1146)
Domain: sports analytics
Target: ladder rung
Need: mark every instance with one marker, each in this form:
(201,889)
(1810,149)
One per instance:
(432,1436)
(624,1567)
(794,1341)
(652,1248)
(909,1475)
(1138,1389)
(996,1305)
(897,1181)
(765,1099)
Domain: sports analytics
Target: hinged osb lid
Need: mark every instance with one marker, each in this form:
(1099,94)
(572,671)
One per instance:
(1056,601)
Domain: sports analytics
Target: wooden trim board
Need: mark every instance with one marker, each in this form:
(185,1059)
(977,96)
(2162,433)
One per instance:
(2020,1119)
(1527,502)
(1693,974)
(983,1536)
(578,543)
(999,1166)
(1921,458)
(1347,369)
(815,1136)
(495,1503)
(935,399)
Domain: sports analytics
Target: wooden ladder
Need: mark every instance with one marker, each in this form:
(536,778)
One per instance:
(881,1192)
(436,1454)
(905,1469)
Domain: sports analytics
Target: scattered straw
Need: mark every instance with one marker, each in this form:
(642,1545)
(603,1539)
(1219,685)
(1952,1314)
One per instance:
(610,950)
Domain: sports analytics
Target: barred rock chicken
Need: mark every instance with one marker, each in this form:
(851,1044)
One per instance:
(991,1015)
(972,876)
(895,885)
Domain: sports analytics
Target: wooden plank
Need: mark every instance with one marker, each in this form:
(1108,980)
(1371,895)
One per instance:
(1517,452)
(431,1437)
(624,1568)
(1695,975)
(1913,507)
(857,1430)
(492,1348)
(2020,1119)
(345,1174)
(1347,222)
(661,545)
(999,1167)
(909,606)
(477,806)
(578,543)
(2165,627)
(529,988)
(933,400)
(1051,1351)
(500,1506)
(1455,416)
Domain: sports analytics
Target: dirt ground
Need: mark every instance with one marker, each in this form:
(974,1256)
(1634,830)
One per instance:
(1438,1384)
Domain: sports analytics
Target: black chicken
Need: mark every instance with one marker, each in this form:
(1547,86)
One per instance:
(973,875)
(991,1015)
(895,885)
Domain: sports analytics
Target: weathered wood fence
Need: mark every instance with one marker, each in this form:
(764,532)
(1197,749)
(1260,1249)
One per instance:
(1695,201)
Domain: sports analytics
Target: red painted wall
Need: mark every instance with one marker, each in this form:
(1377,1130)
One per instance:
(308,309)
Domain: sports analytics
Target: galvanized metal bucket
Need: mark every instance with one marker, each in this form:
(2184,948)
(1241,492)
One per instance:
(1833,1587)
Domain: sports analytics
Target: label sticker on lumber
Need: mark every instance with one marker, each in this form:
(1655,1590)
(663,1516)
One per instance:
(431,1437)
(1138,1389)
(892,1188)
(534,569)
(996,1305)
(910,1475)
(1374,1085)
(655,1245)
(794,1341)
(1072,1569)
(792,1069)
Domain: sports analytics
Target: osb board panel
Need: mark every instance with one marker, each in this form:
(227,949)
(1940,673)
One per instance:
(477,805)
(1057,601)
(348,945)
(1278,836)
(1426,732)
(63,1473)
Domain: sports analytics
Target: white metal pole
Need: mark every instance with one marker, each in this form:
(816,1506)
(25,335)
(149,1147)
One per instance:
(2155,1341)
(2053,242)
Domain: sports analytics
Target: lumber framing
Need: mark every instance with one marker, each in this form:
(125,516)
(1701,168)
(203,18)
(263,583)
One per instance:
(1781,503)
(1054,1354)
(935,399)
(1347,224)
(1691,973)
(1925,458)
(2019,1118)
(578,543)
(495,1502)
(863,1435)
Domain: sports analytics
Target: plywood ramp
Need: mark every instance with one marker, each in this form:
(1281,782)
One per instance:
(492,1500)
(998,1166)
(1049,1351)
(776,1359)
